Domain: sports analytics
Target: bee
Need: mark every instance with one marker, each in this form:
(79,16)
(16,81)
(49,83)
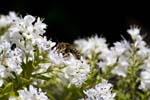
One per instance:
(66,49)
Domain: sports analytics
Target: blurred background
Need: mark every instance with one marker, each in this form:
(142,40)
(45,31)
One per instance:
(70,20)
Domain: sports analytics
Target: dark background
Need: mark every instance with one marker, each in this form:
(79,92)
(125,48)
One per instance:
(68,21)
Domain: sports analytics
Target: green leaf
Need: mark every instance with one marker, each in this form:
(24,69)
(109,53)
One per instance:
(50,95)
(8,88)
(4,29)
(41,77)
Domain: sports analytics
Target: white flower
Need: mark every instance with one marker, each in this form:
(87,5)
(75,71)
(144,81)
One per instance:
(39,26)
(2,74)
(134,32)
(76,71)
(43,44)
(73,70)
(1,82)
(26,33)
(122,67)
(12,98)
(102,91)
(2,71)
(110,57)
(145,76)
(91,45)
(31,94)
(4,46)
(13,16)
(43,68)
(145,82)
(120,47)
(28,20)
(4,21)
(138,41)
(143,50)
(55,57)
(10,58)
(7,20)
(14,60)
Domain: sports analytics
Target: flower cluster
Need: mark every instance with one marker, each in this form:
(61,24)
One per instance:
(31,94)
(125,62)
(91,45)
(102,91)
(33,67)
(27,58)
